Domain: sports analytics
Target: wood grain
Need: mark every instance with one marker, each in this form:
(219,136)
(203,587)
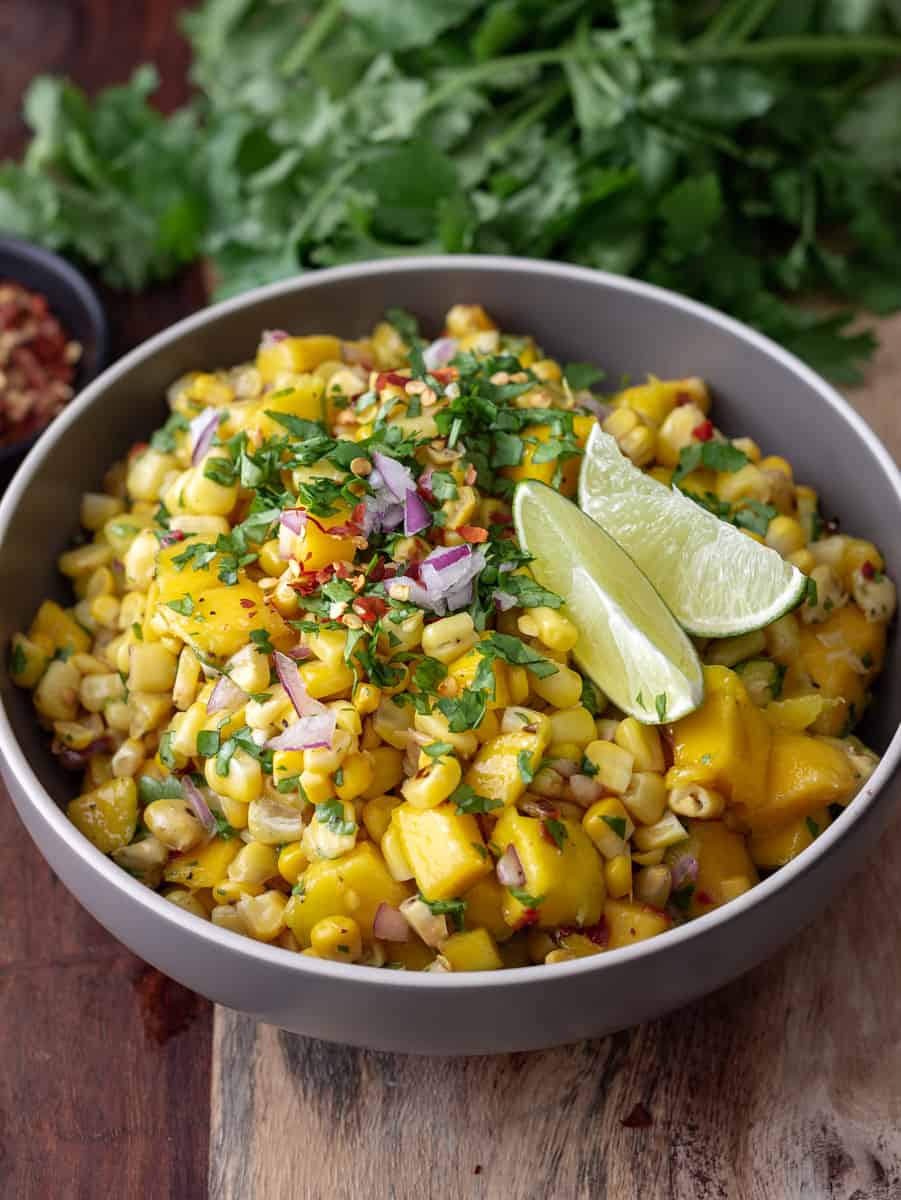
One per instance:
(104,1063)
(786,1084)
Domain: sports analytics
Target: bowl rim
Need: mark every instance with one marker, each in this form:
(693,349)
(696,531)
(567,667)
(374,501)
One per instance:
(87,296)
(681,936)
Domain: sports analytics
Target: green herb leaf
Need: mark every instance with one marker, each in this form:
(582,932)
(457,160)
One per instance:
(185,605)
(557,830)
(208,742)
(455,909)
(580,376)
(468,801)
(524,898)
(617,824)
(167,754)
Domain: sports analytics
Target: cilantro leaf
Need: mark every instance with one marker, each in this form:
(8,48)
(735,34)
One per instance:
(468,801)
(465,712)
(330,813)
(524,897)
(557,831)
(455,909)
(580,376)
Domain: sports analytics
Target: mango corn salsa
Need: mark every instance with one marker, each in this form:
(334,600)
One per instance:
(314,695)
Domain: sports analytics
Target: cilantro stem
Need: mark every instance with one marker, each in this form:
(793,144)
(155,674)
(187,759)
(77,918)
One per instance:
(819,47)
(312,38)
(809,48)
(535,113)
(752,19)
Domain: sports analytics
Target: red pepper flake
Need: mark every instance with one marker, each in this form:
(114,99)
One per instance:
(343,570)
(703,432)
(477,1169)
(445,374)
(37,362)
(473,533)
(370,608)
(246,603)
(599,933)
(683,398)
(638,1118)
(703,898)
(529,916)
(867,570)
(138,448)
(385,377)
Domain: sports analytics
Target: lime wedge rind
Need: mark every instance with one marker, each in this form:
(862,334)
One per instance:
(629,642)
(717,581)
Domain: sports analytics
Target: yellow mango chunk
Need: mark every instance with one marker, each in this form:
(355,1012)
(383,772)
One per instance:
(302,399)
(316,548)
(300,354)
(657,398)
(107,816)
(472,950)
(60,627)
(412,956)
(775,849)
(805,774)
(485,908)
(173,582)
(728,737)
(797,713)
(206,867)
(725,868)
(351,886)
(443,847)
(495,771)
(544,471)
(629,922)
(568,882)
(223,617)
(841,655)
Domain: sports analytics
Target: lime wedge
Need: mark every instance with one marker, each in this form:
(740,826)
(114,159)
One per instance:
(716,581)
(629,642)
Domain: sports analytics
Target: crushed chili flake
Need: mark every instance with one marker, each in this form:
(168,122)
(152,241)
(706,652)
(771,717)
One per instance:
(703,432)
(867,570)
(703,898)
(37,362)
(473,533)
(245,602)
(638,1118)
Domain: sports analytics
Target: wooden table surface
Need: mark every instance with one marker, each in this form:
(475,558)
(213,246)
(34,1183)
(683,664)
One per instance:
(115,1081)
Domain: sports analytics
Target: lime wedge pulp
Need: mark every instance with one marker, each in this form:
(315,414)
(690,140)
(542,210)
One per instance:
(629,642)
(716,581)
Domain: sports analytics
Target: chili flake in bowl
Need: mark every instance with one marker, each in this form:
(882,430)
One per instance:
(37,362)
(53,342)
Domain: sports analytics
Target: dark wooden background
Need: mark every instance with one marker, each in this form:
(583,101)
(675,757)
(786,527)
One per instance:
(116,1082)
(104,1063)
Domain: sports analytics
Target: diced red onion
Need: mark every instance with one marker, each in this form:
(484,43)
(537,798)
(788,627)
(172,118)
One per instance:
(584,789)
(309,733)
(509,869)
(299,653)
(203,430)
(271,336)
(77,760)
(171,538)
(567,767)
(375,480)
(594,405)
(503,601)
(198,804)
(416,515)
(291,523)
(684,870)
(398,479)
(389,924)
(289,678)
(439,352)
(226,694)
(442,558)
(445,578)
(381,513)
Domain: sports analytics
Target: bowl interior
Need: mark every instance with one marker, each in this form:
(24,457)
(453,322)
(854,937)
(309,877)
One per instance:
(575,315)
(71,298)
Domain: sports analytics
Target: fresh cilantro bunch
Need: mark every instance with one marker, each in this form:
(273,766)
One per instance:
(746,152)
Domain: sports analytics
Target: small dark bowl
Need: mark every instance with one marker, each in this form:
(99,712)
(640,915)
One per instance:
(76,305)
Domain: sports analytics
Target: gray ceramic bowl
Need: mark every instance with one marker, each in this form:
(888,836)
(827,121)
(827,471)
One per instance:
(577,315)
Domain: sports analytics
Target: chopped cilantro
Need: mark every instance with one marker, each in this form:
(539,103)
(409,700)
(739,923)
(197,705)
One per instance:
(468,801)
(514,651)
(617,824)
(137,631)
(404,322)
(811,595)
(528,593)
(660,703)
(524,898)
(330,813)
(184,606)
(260,638)
(438,749)
(455,909)
(223,829)
(464,713)
(524,763)
(18,660)
(716,456)
(150,789)
(812,828)
(557,830)
(208,742)
(681,897)
(443,486)
(580,375)
(167,754)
